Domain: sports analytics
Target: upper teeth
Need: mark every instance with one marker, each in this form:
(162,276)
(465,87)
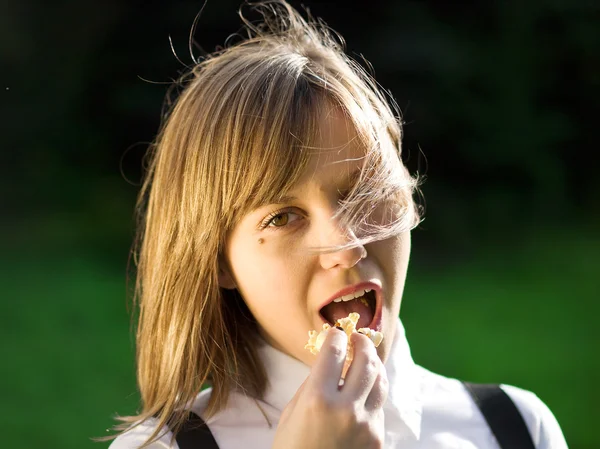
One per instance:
(356,294)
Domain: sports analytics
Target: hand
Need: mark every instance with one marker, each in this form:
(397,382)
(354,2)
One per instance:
(325,415)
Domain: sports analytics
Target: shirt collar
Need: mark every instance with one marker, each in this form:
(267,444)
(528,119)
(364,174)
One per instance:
(403,408)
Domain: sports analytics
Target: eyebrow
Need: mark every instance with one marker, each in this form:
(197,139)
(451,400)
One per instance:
(282,199)
(350,179)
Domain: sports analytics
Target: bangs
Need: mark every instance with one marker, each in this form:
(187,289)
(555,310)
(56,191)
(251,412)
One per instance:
(269,143)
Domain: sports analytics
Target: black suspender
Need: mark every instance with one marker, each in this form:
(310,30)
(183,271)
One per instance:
(195,434)
(497,408)
(502,416)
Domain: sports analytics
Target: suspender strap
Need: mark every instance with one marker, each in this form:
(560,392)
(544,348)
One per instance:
(195,434)
(497,408)
(502,416)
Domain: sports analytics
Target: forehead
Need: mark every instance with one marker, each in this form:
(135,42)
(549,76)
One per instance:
(338,149)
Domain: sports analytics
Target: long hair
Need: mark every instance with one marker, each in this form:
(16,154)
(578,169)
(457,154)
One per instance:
(240,135)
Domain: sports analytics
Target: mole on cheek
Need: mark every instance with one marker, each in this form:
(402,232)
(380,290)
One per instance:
(261,241)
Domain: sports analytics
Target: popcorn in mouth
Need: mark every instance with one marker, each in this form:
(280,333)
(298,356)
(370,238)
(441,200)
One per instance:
(362,302)
(348,325)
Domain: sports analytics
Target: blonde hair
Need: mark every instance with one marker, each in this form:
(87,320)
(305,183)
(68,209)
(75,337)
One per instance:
(239,136)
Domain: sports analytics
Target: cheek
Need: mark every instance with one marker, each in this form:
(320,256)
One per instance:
(401,252)
(265,271)
(393,253)
(393,256)
(386,213)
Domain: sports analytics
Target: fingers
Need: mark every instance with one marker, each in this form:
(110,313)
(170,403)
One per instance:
(366,378)
(327,369)
(379,393)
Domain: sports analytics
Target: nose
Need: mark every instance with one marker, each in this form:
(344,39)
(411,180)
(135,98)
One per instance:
(346,258)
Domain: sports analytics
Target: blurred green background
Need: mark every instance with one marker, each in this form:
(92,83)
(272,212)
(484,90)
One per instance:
(501,102)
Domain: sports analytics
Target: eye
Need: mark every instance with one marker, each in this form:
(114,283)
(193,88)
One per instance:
(279,219)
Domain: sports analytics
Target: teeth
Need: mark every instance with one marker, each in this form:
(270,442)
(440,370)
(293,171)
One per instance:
(356,294)
(348,297)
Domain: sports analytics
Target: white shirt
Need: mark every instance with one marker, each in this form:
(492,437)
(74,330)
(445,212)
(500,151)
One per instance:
(423,411)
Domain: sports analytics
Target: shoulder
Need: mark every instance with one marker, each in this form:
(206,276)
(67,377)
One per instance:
(137,435)
(540,420)
(441,393)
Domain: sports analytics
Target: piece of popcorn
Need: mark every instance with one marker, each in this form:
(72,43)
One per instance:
(375,336)
(348,324)
(316,339)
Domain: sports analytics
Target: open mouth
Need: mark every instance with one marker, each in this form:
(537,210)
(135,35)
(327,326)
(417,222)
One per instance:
(365,305)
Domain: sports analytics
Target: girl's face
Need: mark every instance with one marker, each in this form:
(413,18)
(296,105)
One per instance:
(282,282)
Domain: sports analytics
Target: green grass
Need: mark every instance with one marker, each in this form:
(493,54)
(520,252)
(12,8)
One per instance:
(71,355)
(526,317)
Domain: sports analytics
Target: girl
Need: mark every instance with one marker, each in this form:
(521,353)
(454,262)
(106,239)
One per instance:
(276,186)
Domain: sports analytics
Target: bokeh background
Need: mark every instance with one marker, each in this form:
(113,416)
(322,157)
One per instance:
(501,103)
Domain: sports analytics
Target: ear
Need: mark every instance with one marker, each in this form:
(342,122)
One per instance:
(225,278)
